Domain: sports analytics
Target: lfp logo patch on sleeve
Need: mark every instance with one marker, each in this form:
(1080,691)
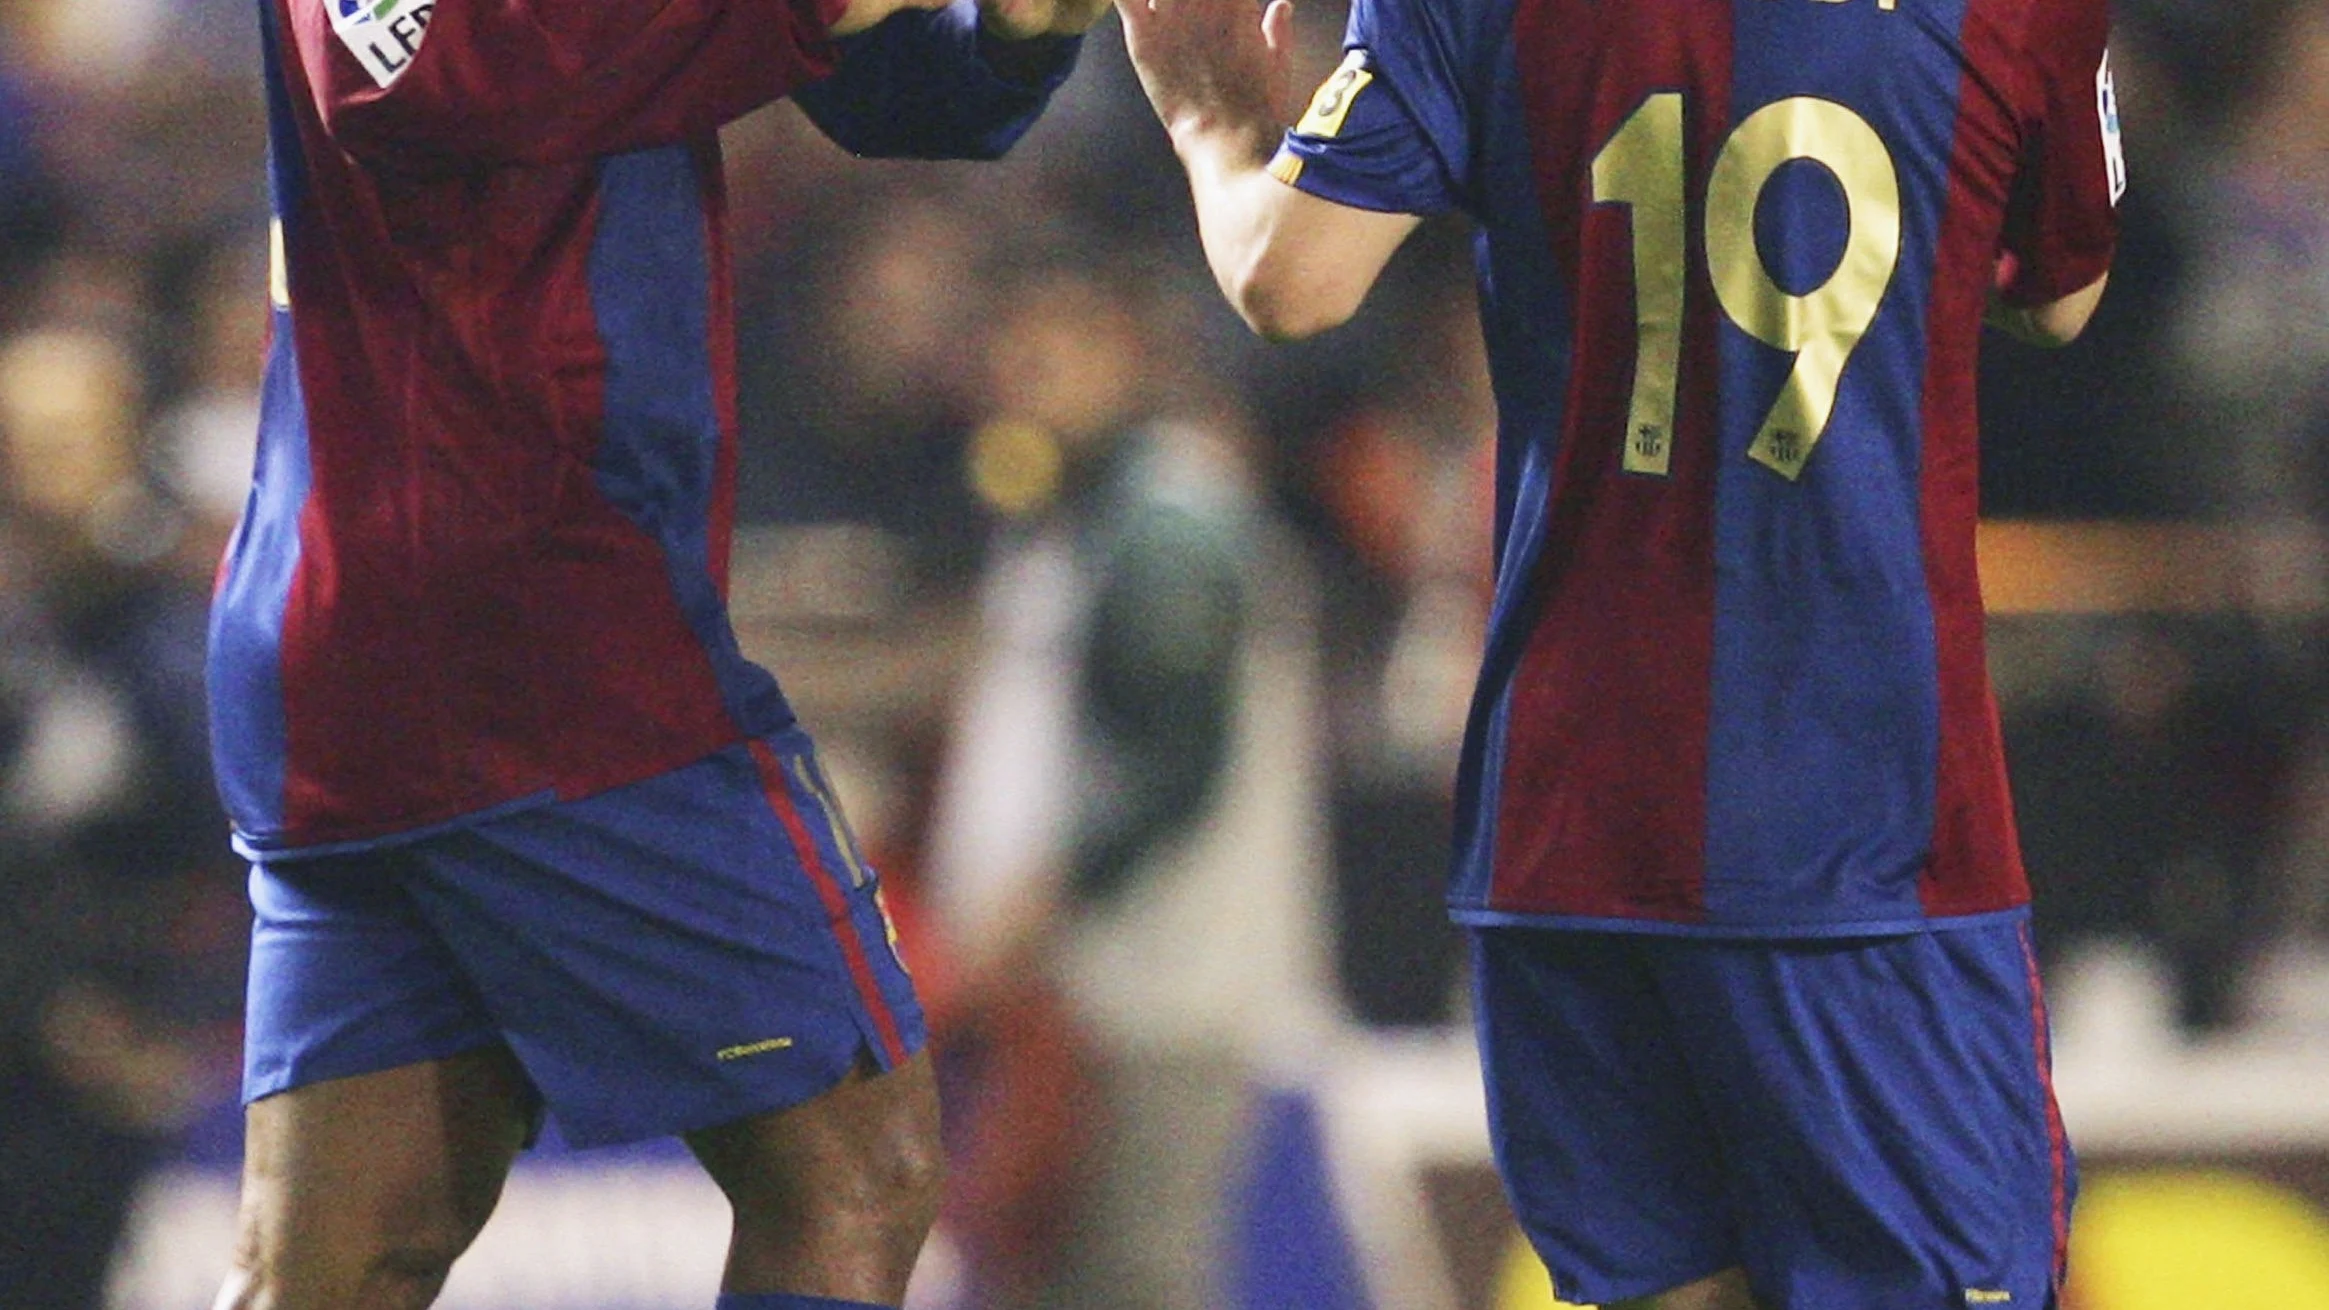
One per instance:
(2106,94)
(384,35)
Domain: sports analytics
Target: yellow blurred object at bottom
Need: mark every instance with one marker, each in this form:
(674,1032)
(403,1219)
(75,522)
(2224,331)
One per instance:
(2154,1240)
(2175,1240)
(1523,1284)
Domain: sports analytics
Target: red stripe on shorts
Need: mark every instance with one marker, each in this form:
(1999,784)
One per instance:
(2057,1140)
(780,799)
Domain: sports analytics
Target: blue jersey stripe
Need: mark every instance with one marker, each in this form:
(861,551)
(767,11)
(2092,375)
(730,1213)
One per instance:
(246,621)
(1527,320)
(658,457)
(1824,743)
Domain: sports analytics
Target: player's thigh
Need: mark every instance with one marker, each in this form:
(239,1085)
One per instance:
(348,976)
(1886,1108)
(698,948)
(870,1144)
(1725,1291)
(361,1191)
(383,1109)
(1607,1153)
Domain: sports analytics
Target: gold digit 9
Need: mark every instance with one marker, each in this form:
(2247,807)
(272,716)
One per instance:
(1641,166)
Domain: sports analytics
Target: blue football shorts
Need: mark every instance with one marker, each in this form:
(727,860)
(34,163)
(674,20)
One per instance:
(1863,1124)
(696,948)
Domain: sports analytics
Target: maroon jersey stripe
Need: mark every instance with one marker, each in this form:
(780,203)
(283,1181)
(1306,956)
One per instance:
(1975,863)
(721,344)
(1603,798)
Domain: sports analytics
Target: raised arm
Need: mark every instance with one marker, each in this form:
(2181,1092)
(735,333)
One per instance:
(1291,263)
(2063,224)
(2048,324)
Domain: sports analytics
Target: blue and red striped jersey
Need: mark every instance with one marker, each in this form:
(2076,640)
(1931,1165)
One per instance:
(484,561)
(1733,261)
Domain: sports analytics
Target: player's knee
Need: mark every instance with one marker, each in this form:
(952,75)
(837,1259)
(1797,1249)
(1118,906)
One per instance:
(885,1188)
(411,1274)
(251,1281)
(857,1171)
(893,1184)
(402,1276)
(913,1176)
(400,1265)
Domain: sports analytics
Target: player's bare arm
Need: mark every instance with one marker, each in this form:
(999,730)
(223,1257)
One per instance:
(859,15)
(1026,20)
(2053,324)
(1291,263)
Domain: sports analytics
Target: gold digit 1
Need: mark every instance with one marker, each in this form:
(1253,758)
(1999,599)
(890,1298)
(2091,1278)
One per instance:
(1641,168)
(1823,325)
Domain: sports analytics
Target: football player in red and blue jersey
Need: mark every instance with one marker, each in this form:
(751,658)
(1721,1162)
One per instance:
(1755,994)
(528,831)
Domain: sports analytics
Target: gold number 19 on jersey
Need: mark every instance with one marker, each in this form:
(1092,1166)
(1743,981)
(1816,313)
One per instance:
(1642,167)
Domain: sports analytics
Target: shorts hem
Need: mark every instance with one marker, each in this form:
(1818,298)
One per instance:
(311,1073)
(746,1104)
(1611,1290)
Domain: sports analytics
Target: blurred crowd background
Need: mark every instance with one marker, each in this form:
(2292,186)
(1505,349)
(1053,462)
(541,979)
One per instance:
(1139,649)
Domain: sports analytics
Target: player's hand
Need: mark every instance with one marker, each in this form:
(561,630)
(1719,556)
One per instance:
(1212,66)
(859,15)
(1022,20)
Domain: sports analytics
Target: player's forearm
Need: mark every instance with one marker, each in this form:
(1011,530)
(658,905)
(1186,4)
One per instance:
(1257,256)
(1291,263)
(2053,324)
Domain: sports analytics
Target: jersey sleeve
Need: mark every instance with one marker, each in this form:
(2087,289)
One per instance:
(1388,130)
(548,81)
(2063,223)
(919,86)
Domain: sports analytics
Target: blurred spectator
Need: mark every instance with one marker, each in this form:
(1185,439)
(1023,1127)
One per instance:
(113,854)
(31,215)
(864,377)
(1406,488)
(204,439)
(148,112)
(2254,335)
(2139,785)
(1130,819)
(2160,776)
(2253,332)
